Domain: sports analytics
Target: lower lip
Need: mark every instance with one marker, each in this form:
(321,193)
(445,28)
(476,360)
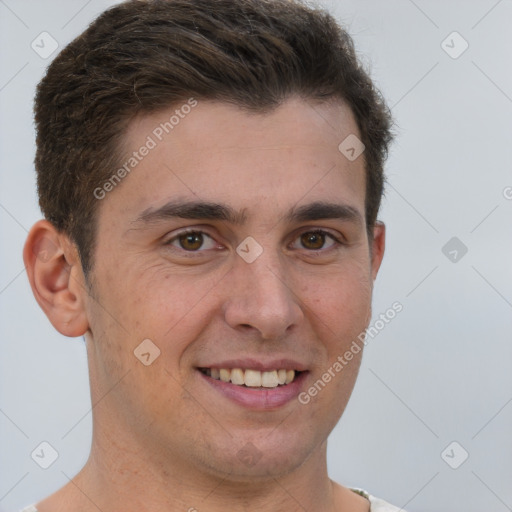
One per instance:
(258,398)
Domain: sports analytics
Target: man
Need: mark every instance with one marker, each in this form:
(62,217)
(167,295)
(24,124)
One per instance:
(210,175)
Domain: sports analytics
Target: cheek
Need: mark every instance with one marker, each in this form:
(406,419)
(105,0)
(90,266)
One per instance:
(151,302)
(342,301)
(172,311)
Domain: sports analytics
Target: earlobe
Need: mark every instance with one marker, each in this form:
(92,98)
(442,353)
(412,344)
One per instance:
(55,275)
(378,247)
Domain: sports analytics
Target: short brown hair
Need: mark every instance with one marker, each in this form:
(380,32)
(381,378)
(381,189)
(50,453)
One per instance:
(142,56)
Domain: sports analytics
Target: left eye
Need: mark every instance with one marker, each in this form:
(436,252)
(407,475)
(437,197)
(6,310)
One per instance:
(315,240)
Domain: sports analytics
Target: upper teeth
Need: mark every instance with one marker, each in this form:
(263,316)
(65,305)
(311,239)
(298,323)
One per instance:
(252,378)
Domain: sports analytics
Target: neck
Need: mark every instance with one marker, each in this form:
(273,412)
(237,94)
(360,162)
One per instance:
(121,475)
(130,477)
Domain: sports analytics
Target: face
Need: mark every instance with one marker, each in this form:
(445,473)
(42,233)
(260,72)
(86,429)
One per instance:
(238,246)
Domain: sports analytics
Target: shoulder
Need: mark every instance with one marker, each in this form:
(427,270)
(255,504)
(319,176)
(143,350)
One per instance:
(376,504)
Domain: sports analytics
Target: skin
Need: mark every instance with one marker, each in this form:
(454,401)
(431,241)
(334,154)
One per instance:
(162,437)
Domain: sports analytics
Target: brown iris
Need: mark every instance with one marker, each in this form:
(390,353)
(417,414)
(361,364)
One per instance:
(191,241)
(313,240)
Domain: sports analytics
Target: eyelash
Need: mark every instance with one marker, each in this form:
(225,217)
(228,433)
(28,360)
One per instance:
(327,234)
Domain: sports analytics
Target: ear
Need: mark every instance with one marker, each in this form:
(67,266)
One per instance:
(55,274)
(378,246)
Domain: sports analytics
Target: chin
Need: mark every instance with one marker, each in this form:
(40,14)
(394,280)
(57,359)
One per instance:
(260,460)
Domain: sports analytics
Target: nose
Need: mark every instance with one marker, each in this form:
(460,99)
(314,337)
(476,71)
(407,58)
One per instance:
(262,298)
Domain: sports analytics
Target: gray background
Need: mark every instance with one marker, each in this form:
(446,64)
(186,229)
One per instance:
(439,372)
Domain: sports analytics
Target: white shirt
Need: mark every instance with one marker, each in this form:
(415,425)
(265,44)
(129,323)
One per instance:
(376,504)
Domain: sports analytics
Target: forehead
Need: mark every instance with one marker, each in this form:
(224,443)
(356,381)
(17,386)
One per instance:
(215,151)
(208,125)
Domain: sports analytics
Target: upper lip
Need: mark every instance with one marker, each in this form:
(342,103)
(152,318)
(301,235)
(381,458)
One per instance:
(258,364)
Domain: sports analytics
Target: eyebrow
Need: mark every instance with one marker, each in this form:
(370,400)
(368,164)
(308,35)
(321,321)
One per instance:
(200,210)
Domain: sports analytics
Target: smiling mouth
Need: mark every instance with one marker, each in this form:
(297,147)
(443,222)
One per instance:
(252,378)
